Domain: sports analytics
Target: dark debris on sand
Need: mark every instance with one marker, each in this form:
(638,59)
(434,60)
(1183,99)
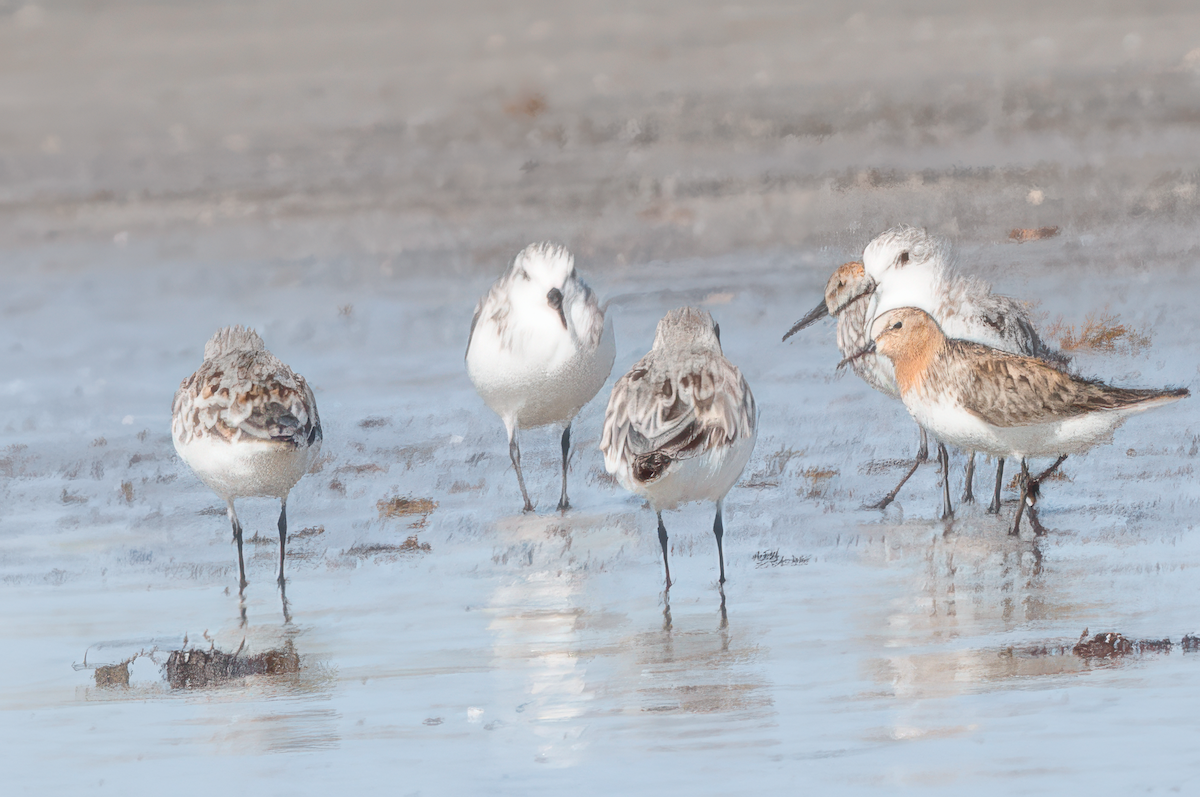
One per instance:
(1111,645)
(197,669)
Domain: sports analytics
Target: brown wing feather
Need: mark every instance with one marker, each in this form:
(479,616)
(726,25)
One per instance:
(249,395)
(1007,390)
(662,415)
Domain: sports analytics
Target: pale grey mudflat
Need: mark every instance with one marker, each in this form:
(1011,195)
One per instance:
(349,188)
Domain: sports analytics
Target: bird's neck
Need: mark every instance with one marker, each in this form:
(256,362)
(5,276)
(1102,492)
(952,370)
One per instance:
(914,370)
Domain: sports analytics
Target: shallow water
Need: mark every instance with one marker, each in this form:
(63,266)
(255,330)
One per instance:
(348,180)
(529,653)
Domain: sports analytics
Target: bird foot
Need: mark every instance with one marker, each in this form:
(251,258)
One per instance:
(881,504)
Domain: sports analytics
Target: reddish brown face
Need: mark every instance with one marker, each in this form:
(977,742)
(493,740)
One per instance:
(910,339)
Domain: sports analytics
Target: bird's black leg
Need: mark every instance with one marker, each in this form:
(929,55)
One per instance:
(662,540)
(237,537)
(1024,482)
(923,451)
(563,503)
(882,503)
(944,458)
(719,533)
(994,507)
(968,496)
(514,453)
(282,537)
(1034,491)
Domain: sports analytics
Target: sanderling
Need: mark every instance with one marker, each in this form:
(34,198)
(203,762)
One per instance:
(681,425)
(911,268)
(540,348)
(247,425)
(847,298)
(1007,405)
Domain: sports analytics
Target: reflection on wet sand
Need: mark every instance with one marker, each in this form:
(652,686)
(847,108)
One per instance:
(574,664)
(968,576)
(535,635)
(697,666)
(243,667)
(971,580)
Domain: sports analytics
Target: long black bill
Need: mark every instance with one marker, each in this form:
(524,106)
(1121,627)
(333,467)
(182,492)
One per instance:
(870,349)
(816,314)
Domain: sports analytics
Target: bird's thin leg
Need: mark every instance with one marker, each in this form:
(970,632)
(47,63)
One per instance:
(237,537)
(514,453)
(968,496)
(719,533)
(1034,491)
(923,451)
(282,537)
(287,615)
(662,540)
(1035,484)
(882,503)
(563,503)
(994,507)
(1024,481)
(944,457)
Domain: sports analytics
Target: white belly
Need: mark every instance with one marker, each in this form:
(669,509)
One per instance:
(708,477)
(542,385)
(247,468)
(952,424)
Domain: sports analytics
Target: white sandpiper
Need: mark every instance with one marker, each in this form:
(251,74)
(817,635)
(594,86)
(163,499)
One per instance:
(682,423)
(247,425)
(540,348)
(1006,405)
(911,268)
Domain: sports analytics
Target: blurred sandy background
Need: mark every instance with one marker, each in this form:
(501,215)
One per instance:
(425,134)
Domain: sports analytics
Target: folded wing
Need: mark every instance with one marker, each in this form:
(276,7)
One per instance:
(1007,390)
(659,416)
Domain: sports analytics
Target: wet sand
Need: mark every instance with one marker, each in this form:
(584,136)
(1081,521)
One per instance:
(350,182)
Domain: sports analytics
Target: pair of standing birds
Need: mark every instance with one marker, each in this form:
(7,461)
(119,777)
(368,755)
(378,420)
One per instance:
(682,423)
(968,364)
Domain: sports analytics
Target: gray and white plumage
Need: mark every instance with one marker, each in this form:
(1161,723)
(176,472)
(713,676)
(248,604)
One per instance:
(245,421)
(682,423)
(911,268)
(247,425)
(540,347)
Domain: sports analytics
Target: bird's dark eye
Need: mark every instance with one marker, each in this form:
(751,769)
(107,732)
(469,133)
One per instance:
(898,325)
(555,298)
(841,284)
(903,259)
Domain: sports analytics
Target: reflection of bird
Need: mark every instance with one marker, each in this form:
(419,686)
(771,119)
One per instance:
(911,268)
(847,297)
(982,399)
(247,425)
(539,348)
(681,424)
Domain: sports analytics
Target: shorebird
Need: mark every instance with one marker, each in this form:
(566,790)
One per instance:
(982,399)
(247,425)
(540,348)
(681,425)
(847,298)
(911,268)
